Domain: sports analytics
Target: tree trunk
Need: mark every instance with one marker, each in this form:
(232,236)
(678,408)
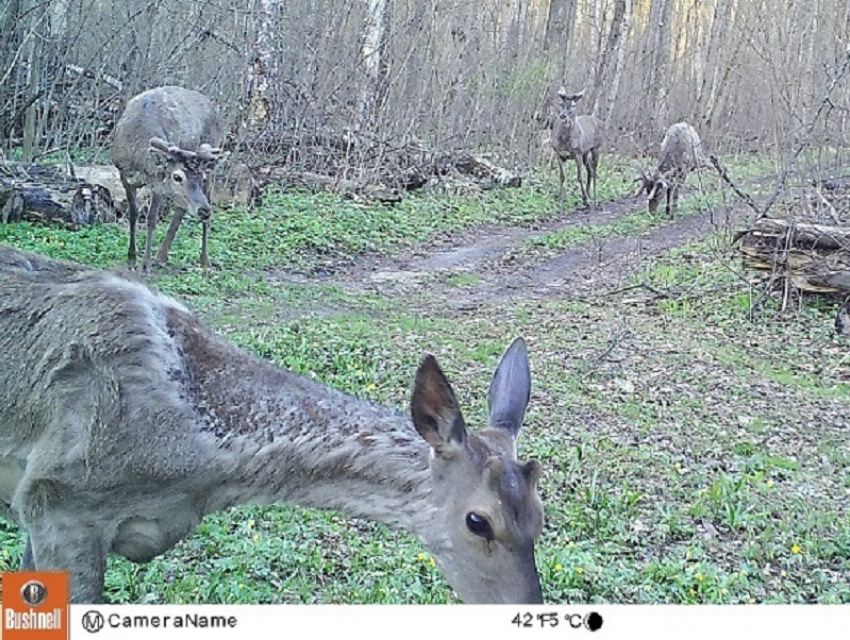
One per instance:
(8,55)
(659,57)
(812,257)
(36,36)
(265,61)
(372,55)
(559,28)
(607,84)
(716,46)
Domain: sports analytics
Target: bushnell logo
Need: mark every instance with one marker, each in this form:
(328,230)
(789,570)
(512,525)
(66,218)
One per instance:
(35,603)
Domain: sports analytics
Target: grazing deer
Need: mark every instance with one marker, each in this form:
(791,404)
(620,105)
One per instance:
(167,139)
(123,421)
(681,153)
(579,138)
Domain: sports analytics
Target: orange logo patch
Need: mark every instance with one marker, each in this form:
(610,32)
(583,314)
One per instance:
(35,605)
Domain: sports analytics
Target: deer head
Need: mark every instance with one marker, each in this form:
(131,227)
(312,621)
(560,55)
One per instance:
(490,504)
(568,103)
(654,186)
(186,175)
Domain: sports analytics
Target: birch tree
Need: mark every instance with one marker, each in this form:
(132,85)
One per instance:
(608,83)
(374,63)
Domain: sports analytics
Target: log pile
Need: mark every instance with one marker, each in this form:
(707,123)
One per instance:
(52,195)
(77,196)
(376,169)
(809,246)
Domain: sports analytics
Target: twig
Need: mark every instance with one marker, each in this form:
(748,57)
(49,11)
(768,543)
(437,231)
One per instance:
(829,208)
(725,176)
(643,285)
(613,343)
(806,139)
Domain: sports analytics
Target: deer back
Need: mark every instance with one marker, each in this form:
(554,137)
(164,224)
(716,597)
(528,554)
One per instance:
(126,418)
(681,149)
(166,138)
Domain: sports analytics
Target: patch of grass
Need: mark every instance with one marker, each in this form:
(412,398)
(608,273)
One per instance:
(461,280)
(694,450)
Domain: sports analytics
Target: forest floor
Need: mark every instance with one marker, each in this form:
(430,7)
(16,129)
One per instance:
(693,433)
(495,263)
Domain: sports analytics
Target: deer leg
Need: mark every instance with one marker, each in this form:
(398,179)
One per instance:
(153,217)
(561,179)
(165,247)
(588,166)
(594,163)
(59,540)
(205,235)
(132,216)
(579,160)
(671,200)
(27,560)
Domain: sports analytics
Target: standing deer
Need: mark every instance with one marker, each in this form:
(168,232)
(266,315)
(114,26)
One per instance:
(123,421)
(167,139)
(579,138)
(681,153)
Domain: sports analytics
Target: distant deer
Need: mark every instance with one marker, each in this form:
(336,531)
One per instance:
(123,421)
(167,139)
(681,153)
(579,138)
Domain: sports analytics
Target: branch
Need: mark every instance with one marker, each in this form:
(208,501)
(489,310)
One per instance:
(725,176)
(112,81)
(827,99)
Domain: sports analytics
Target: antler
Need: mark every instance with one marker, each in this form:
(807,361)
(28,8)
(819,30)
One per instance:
(206,153)
(645,182)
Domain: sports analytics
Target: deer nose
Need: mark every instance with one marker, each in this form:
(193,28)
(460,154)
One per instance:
(204,213)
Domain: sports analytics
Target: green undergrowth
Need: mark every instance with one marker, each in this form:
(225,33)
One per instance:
(694,443)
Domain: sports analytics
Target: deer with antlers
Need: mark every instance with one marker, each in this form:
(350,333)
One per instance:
(168,139)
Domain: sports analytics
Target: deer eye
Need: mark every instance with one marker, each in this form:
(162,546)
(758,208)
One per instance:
(177,177)
(479,525)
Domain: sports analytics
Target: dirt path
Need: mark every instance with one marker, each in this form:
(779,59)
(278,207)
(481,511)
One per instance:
(481,267)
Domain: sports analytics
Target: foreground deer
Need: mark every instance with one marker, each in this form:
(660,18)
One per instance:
(681,153)
(123,421)
(579,138)
(167,139)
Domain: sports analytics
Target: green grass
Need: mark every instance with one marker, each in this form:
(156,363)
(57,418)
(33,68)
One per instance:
(695,449)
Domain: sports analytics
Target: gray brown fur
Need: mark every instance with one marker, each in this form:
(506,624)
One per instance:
(167,138)
(681,153)
(579,138)
(123,421)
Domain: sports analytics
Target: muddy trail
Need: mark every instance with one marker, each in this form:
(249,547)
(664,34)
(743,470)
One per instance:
(495,263)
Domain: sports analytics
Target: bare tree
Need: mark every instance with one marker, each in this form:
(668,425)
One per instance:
(607,82)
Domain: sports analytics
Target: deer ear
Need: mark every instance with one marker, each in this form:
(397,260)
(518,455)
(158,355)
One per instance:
(435,410)
(510,389)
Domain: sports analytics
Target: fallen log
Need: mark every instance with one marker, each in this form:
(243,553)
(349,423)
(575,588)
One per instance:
(812,257)
(48,195)
(483,169)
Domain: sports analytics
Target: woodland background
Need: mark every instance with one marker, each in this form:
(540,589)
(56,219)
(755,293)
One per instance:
(477,74)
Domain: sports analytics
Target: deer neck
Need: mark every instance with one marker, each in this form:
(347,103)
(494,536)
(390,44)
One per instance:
(281,437)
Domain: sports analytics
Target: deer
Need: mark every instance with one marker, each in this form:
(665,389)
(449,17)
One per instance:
(681,153)
(168,139)
(579,138)
(124,420)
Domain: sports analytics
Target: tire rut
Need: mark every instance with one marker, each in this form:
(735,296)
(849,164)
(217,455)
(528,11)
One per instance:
(479,267)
